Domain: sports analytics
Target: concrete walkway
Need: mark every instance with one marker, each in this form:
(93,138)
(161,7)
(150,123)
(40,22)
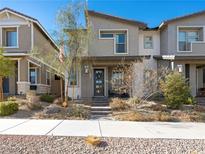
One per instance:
(102,128)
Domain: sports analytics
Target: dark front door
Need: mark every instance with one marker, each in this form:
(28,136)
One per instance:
(6,85)
(98,82)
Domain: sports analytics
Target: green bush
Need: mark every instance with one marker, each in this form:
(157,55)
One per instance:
(175,89)
(8,108)
(47,98)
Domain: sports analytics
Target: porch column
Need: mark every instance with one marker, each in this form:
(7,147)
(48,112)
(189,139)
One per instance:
(193,79)
(22,84)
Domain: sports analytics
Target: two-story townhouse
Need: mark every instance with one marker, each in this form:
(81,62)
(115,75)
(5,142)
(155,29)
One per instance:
(20,34)
(115,40)
(182,44)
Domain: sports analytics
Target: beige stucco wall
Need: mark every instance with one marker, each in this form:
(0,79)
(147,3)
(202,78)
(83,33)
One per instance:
(169,34)
(41,43)
(156,43)
(105,47)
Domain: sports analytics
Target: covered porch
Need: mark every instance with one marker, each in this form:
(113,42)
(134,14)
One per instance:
(103,77)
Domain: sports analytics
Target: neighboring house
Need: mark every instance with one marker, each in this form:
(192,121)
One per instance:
(20,34)
(177,43)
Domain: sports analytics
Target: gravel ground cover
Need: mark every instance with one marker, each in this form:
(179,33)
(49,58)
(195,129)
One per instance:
(76,145)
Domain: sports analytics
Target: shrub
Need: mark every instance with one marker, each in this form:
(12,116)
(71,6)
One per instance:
(134,100)
(175,90)
(8,108)
(164,116)
(47,98)
(12,98)
(78,111)
(118,104)
(158,107)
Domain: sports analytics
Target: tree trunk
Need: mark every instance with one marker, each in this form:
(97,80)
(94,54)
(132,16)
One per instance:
(1,89)
(66,94)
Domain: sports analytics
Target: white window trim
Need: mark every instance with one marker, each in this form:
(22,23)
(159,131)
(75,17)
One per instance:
(17,37)
(35,68)
(144,42)
(114,40)
(193,42)
(47,77)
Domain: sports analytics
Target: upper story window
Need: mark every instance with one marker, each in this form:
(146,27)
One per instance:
(148,42)
(10,37)
(106,35)
(187,36)
(119,37)
(120,40)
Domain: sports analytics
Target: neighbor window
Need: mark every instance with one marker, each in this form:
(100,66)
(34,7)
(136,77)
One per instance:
(48,78)
(148,42)
(120,43)
(73,78)
(186,37)
(10,37)
(33,75)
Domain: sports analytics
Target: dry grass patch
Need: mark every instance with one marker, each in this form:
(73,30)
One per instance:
(118,104)
(135,116)
(93,140)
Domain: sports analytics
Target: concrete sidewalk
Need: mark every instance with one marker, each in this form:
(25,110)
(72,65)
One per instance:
(103,128)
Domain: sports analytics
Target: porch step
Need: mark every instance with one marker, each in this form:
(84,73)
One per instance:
(100,113)
(200,100)
(103,108)
(100,110)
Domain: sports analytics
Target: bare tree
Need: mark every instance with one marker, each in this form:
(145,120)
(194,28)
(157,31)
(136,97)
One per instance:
(73,36)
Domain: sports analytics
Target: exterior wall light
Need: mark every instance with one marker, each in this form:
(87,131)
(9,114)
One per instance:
(86,69)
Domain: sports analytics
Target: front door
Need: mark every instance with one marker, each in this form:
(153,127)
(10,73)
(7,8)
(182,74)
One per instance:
(98,82)
(6,85)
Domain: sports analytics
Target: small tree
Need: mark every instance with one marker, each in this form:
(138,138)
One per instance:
(6,69)
(175,90)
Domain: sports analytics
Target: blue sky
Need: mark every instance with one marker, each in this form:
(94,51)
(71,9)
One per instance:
(151,12)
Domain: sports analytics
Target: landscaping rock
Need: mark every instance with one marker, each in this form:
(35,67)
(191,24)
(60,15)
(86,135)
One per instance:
(52,109)
(58,101)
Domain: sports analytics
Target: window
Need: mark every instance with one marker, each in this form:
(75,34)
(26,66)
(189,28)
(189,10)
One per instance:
(185,39)
(48,78)
(73,78)
(117,79)
(148,42)
(33,75)
(120,43)
(10,37)
(106,35)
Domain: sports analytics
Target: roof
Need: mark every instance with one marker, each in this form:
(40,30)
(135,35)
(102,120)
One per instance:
(113,58)
(134,22)
(181,17)
(34,21)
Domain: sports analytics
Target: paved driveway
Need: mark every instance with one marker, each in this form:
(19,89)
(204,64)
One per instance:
(103,128)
